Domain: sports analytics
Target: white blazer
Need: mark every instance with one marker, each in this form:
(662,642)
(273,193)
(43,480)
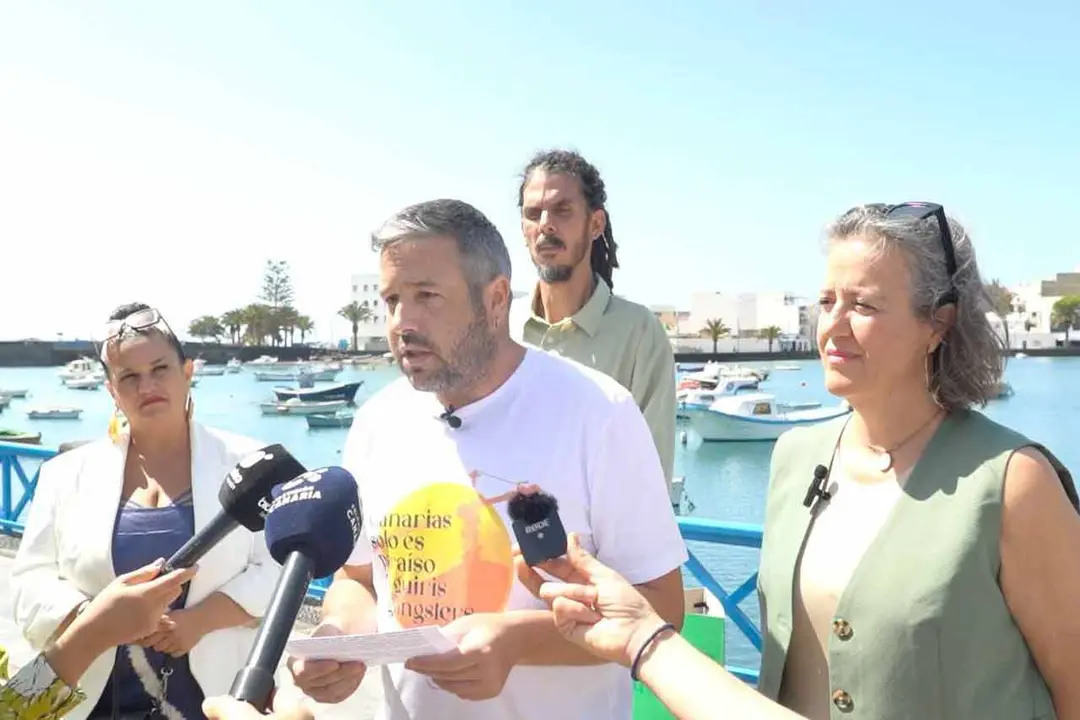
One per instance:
(65,555)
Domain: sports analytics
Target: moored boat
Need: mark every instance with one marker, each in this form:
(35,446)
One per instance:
(752,416)
(54,413)
(300,407)
(344,391)
(23,438)
(340,419)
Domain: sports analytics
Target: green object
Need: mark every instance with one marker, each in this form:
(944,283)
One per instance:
(704,632)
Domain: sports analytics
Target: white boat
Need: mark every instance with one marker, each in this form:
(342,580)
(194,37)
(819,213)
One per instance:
(86,382)
(786,367)
(202,369)
(713,372)
(54,413)
(264,360)
(81,368)
(706,395)
(752,416)
(299,407)
(233,366)
(273,376)
(17,394)
(704,398)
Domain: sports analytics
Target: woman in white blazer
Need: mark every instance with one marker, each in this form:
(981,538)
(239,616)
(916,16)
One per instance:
(144,491)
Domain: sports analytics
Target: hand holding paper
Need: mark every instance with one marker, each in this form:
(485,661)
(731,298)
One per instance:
(373,649)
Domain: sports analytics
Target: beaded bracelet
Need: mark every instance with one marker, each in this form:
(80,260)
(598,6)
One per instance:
(641,650)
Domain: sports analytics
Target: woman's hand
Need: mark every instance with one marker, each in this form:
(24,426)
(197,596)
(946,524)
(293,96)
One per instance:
(177,633)
(132,604)
(593,606)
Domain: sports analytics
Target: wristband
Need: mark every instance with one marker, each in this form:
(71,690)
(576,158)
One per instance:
(644,646)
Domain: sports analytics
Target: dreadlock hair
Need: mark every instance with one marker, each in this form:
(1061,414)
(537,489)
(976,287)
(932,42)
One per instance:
(602,259)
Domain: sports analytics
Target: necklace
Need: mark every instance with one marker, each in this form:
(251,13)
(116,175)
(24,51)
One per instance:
(885,461)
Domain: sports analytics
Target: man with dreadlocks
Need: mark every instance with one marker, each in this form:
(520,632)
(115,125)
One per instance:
(572,311)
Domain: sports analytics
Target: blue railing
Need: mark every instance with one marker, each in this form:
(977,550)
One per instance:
(693,530)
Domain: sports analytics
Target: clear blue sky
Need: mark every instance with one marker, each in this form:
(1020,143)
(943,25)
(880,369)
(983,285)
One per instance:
(164,151)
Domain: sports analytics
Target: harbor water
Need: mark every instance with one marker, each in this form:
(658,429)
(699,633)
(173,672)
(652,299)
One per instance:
(724,481)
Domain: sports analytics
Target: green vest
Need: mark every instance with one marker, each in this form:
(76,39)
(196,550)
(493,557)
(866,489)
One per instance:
(922,631)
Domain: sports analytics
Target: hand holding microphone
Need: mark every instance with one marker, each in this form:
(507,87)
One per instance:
(311,529)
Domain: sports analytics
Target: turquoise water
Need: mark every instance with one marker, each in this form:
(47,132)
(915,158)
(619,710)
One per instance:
(723,480)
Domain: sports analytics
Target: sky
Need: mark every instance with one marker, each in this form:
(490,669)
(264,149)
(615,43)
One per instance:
(163,152)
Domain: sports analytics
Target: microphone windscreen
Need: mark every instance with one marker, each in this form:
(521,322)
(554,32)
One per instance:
(537,527)
(531,508)
(245,495)
(317,514)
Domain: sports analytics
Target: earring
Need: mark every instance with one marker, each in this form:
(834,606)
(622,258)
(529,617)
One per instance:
(117,424)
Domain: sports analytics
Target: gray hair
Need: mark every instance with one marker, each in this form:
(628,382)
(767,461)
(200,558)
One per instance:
(969,363)
(484,256)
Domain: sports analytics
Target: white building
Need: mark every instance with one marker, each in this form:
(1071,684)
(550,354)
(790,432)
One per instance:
(745,315)
(1030,323)
(371,335)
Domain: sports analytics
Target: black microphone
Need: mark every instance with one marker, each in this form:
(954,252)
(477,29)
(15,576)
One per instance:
(537,527)
(245,500)
(450,418)
(311,530)
(817,486)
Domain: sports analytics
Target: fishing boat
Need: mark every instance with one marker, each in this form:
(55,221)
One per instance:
(340,419)
(23,438)
(202,369)
(18,394)
(299,407)
(233,366)
(752,416)
(343,391)
(54,413)
(80,368)
(85,382)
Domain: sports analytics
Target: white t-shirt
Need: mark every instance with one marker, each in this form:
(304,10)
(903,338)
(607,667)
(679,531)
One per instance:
(440,548)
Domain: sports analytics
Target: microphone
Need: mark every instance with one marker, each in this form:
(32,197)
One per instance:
(817,486)
(311,529)
(245,500)
(537,527)
(450,418)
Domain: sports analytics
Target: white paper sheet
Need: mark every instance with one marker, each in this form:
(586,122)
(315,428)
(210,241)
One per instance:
(374,649)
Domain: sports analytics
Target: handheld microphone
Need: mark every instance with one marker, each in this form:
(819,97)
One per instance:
(537,527)
(313,524)
(450,418)
(817,486)
(245,500)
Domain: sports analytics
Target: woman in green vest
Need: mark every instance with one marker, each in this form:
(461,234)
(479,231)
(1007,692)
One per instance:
(919,560)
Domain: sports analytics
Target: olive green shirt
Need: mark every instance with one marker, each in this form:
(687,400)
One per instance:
(623,340)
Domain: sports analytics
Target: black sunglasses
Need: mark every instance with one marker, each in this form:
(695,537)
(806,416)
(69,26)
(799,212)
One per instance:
(922,211)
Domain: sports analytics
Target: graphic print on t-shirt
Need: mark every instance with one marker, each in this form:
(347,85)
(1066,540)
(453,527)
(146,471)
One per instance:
(446,553)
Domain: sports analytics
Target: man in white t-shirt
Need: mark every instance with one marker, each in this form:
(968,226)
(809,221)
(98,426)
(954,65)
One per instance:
(436,455)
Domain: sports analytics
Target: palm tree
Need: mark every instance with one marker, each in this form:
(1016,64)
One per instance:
(233,321)
(355,313)
(770,333)
(304,325)
(259,323)
(286,319)
(714,330)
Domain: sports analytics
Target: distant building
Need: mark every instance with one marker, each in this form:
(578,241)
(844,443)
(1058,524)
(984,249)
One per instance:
(1031,321)
(371,335)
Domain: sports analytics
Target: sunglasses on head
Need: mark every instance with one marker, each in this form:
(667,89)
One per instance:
(138,320)
(923,211)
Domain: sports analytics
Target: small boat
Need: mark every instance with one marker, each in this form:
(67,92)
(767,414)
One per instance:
(14,393)
(340,419)
(54,413)
(1002,390)
(201,368)
(344,391)
(86,382)
(23,438)
(752,416)
(706,395)
(786,367)
(274,376)
(233,366)
(294,406)
(4,401)
(80,368)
